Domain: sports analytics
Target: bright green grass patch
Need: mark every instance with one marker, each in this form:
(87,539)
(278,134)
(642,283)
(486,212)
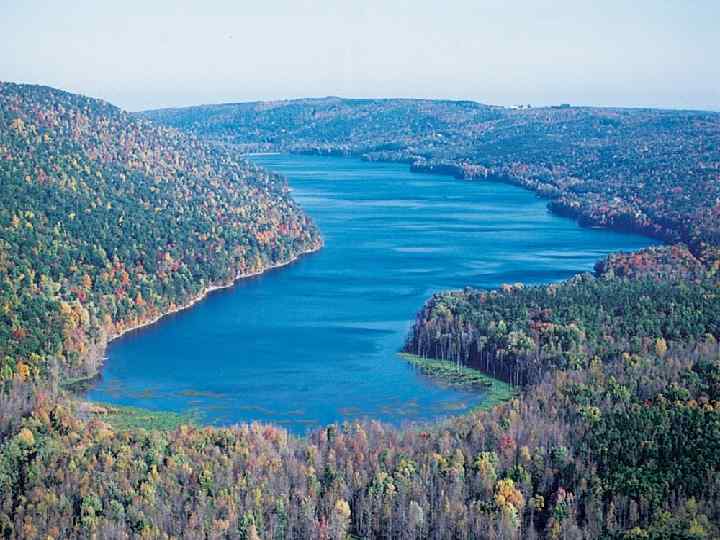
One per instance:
(449,373)
(124,418)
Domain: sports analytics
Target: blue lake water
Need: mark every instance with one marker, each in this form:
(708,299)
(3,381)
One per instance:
(316,342)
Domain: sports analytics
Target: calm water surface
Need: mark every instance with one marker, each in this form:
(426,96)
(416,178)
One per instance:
(316,342)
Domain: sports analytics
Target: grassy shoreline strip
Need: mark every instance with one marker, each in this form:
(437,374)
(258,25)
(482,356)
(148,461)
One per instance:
(123,417)
(463,377)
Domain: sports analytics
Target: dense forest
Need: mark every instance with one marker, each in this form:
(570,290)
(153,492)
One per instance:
(635,304)
(653,171)
(109,220)
(625,448)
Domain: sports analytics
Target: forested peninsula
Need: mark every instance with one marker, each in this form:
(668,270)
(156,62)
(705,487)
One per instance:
(109,219)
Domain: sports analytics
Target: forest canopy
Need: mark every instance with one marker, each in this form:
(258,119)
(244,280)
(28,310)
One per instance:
(108,221)
(647,170)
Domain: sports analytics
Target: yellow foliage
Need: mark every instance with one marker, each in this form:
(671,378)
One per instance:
(104,433)
(23,370)
(26,437)
(485,464)
(342,508)
(18,125)
(661,347)
(506,494)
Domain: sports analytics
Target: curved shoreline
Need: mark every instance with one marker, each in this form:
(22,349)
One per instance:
(101,357)
(655,231)
(213,287)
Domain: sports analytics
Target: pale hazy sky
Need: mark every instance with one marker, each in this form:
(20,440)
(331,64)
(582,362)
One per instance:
(155,53)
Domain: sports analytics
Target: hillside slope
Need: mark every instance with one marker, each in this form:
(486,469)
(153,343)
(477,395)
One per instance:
(653,171)
(332,124)
(108,221)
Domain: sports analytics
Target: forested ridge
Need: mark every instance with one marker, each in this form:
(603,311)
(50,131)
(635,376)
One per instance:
(615,432)
(647,170)
(108,222)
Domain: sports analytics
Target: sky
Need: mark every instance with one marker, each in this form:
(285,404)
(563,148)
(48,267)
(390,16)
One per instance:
(162,53)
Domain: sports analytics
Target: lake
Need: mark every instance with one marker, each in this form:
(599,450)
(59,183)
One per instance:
(316,342)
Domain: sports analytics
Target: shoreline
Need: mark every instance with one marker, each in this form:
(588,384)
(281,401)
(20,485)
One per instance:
(202,295)
(431,373)
(463,377)
(208,290)
(251,154)
(650,230)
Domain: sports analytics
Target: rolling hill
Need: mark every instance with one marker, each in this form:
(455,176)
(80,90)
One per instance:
(652,171)
(109,221)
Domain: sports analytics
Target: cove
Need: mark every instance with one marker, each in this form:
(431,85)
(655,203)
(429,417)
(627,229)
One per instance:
(316,342)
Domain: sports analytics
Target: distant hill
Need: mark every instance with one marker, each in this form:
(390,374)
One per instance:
(331,123)
(108,221)
(653,171)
